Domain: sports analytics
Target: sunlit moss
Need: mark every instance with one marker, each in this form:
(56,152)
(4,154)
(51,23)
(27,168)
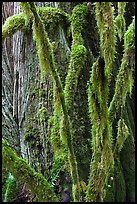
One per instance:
(12,25)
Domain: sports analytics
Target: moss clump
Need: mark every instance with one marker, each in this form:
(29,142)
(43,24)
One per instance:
(121,135)
(52,17)
(12,25)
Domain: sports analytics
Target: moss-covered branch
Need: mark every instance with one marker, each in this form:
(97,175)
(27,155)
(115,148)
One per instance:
(102,162)
(122,135)
(12,25)
(22,22)
(98,89)
(46,58)
(105,23)
(78,55)
(34,182)
(120,20)
(124,81)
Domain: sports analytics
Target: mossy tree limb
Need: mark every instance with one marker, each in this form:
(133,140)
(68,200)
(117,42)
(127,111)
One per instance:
(120,20)
(98,91)
(124,81)
(106,28)
(12,25)
(103,161)
(46,58)
(35,182)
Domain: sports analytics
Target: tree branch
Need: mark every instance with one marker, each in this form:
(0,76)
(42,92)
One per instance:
(34,181)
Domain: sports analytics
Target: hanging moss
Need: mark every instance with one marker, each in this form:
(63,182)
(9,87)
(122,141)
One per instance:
(98,88)
(120,20)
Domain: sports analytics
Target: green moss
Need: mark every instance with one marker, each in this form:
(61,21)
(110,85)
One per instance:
(120,20)
(77,61)
(105,23)
(35,182)
(12,25)
(35,91)
(42,114)
(41,93)
(52,17)
(102,162)
(129,36)
(78,22)
(124,80)
(121,135)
